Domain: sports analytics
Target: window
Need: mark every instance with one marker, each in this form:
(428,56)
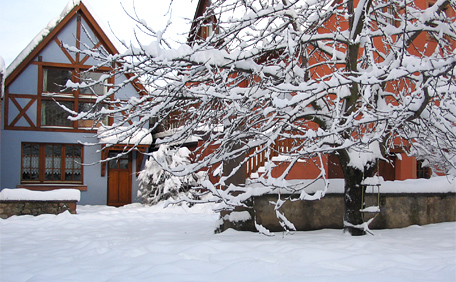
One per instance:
(30,161)
(90,107)
(445,12)
(422,172)
(54,90)
(390,14)
(53,115)
(55,79)
(51,163)
(118,163)
(91,77)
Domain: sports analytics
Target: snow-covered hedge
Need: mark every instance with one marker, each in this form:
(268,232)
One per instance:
(28,195)
(158,182)
(27,202)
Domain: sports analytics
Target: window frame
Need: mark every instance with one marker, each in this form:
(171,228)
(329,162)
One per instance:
(422,171)
(42,164)
(446,11)
(76,97)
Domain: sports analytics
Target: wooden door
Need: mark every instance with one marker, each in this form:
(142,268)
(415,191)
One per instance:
(119,180)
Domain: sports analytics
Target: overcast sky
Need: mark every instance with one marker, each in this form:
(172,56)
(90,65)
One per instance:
(22,20)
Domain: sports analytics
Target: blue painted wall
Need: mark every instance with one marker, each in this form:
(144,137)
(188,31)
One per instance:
(96,193)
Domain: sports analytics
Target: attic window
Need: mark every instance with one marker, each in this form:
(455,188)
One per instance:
(445,12)
(55,94)
(91,78)
(54,80)
(208,30)
(390,14)
(53,115)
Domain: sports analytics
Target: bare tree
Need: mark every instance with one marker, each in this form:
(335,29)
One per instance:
(351,78)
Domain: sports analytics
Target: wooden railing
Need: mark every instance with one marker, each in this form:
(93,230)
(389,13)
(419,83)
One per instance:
(256,160)
(173,121)
(258,157)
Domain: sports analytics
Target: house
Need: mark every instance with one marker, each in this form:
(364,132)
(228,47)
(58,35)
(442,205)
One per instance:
(395,207)
(399,166)
(41,149)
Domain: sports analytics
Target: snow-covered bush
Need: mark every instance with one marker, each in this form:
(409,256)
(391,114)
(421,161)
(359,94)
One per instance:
(158,181)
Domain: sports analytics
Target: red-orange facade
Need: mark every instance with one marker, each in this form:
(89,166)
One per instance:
(398,166)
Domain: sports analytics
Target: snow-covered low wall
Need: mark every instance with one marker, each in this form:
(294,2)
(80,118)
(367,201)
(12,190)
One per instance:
(396,211)
(26,202)
(400,204)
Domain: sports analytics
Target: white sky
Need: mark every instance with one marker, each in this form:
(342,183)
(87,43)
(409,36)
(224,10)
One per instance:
(22,20)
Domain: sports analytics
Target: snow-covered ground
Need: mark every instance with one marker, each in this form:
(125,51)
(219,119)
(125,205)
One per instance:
(136,243)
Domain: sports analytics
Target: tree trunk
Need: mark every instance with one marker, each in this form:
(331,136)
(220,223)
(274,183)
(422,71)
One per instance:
(353,200)
(353,193)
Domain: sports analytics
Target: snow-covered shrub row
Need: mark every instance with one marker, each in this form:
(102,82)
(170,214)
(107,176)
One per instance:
(158,183)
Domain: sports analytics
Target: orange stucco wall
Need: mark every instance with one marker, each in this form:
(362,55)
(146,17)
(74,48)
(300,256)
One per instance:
(405,168)
(301,170)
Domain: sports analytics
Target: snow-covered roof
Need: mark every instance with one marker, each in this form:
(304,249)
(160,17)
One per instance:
(124,135)
(2,76)
(40,36)
(48,29)
(2,65)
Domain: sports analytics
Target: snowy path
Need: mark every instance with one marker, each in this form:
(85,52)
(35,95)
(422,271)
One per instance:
(147,244)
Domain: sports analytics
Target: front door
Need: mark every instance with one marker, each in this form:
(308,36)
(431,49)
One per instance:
(119,180)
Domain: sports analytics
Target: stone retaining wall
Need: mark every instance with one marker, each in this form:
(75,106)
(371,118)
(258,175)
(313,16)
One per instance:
(9,207)
(397,211)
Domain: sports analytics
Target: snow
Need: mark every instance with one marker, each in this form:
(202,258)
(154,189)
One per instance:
(372,209)
(164,176)
(359,159)
(52,24)
(237,216)
(2,76)
(137,243)
(438,184)
(21,194)
(2,65)
(124,135)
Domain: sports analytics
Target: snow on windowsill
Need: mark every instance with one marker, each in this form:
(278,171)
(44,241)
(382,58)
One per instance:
(21,194)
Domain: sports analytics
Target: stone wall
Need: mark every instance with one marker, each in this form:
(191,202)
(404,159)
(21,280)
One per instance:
(9,208)
(396,211)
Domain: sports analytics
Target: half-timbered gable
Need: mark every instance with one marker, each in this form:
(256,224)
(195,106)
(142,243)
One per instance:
(41,148)
(39,74)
